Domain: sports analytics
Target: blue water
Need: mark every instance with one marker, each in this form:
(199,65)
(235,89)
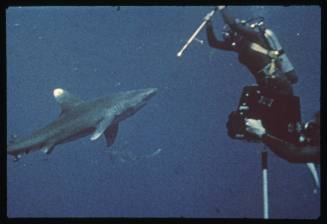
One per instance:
(200,172)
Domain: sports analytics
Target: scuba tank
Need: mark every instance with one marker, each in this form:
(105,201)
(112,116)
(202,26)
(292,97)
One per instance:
(277,52)
(279,60)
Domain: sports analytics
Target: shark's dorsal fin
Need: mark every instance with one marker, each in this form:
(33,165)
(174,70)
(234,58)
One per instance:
(66,100)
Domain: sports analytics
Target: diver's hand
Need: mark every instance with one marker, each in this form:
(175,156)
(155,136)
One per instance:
(255,127)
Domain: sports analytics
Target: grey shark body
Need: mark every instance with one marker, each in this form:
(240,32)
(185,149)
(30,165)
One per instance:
(79,118)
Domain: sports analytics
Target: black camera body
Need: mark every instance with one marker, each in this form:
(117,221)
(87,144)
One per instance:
(280,114)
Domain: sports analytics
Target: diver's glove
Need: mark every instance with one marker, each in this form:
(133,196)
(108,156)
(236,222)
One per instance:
(255,127)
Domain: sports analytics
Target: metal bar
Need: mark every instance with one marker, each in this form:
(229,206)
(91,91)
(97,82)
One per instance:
(264,166)
(197,31)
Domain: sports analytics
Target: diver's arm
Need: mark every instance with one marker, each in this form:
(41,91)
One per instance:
(286,150)
(213,42)
(243,30)
(291,152)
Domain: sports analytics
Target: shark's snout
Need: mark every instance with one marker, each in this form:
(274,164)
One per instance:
(142,96)
(151,91)
(148,93)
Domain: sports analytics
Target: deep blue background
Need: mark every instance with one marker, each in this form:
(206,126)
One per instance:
(201,172)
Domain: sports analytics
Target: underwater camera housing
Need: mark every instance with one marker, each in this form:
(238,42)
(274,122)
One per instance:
(280,114)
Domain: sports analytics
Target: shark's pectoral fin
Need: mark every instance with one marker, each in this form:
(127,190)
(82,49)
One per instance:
(111,134)
(101,128)
(47,149)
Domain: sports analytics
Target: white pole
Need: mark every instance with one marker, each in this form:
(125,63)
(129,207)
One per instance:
(264,166)
(189,41)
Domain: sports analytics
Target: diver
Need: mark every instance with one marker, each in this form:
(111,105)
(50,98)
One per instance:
(258,49)
(306,152)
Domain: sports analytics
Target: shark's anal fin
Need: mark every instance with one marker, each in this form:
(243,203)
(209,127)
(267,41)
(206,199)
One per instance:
(111,133)
(101,127)
(47,149)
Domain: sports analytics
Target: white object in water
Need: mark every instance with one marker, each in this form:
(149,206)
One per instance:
(314,173)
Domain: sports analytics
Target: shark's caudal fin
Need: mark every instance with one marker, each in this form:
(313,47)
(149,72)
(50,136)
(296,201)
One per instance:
(66,100)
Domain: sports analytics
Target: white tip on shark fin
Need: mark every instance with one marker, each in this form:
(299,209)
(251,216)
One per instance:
(66,100)
(44,150)
(95,136)
(101,127)
(47,149)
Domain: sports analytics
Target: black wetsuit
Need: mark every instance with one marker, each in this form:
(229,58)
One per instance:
(253,60)
(308,152)
(291,152)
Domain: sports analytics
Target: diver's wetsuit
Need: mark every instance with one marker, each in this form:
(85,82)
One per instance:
(292,153)
(306,153)
(253,60)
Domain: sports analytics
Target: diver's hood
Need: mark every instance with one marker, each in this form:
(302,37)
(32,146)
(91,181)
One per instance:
(231,35)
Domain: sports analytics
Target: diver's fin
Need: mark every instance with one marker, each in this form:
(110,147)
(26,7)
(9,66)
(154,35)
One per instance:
(66,100)
(101,127)
(111,134)
(313,171)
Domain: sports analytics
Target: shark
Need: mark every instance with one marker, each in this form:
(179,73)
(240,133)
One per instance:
(79,118)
